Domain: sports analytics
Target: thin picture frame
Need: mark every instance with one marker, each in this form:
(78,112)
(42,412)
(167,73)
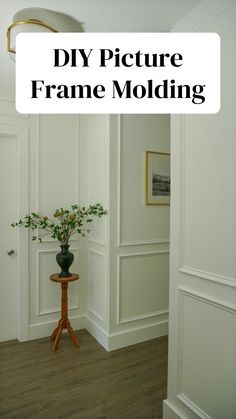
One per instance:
(157,178)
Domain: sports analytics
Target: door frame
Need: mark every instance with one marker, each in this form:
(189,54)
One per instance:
(21,134)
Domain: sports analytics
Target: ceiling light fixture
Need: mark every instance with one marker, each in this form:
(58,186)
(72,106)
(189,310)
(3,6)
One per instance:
(39,20)
(31,20)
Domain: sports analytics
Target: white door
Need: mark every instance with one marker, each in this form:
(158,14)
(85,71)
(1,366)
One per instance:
(13,201)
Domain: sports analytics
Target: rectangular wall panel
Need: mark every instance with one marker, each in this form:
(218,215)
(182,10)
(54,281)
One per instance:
(143,286)
(207,327)
(139,223)
(57,162)
(96,284)
(94,167)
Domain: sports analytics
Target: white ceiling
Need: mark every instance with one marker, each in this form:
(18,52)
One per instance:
(95,16)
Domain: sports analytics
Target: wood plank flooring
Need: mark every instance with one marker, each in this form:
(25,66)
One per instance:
(84,383)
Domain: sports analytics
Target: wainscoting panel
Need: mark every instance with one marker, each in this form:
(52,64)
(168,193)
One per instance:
(142,286)
(96,284)
(207,326)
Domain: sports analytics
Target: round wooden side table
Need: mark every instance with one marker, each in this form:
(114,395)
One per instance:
(64,322)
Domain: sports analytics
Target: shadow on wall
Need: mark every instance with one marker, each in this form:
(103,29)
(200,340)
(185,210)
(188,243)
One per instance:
(67,23)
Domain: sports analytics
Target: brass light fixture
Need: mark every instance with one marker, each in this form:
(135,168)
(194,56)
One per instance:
(37,19)
(25,22)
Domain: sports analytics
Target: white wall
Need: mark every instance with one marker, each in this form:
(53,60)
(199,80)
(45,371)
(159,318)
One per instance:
(53,174)
(122,294)
(139,234)
(129,254)
(54,182)
(202,333)
(94,146)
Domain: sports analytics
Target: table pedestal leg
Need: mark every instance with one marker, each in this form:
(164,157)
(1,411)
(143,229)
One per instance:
(72,334)
(64,322)
(54,334)
(57,332)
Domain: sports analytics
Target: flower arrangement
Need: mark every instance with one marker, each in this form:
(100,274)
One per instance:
(64,223)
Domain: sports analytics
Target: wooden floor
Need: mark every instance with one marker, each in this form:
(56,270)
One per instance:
(85,383)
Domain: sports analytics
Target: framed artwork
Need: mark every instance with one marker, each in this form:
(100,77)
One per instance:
(157,182)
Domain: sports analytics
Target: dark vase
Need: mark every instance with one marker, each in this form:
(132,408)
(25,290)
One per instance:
(65,259)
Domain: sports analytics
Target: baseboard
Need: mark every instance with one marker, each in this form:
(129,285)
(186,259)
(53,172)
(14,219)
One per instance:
(42,330)
(110,342)
(137,335)
(124,338)
(97,332)
(171,412)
